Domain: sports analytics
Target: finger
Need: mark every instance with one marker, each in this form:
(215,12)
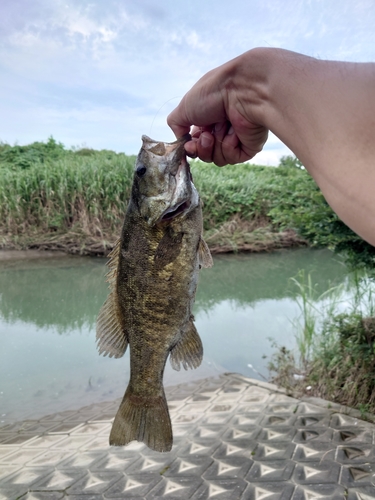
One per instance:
(178,121)
(220,131)
(205,146)
(191,148)
(231,148)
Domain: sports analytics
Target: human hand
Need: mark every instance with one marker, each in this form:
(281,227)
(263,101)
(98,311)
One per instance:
(221,107)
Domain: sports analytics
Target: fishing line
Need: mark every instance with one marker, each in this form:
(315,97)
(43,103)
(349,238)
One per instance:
(157,112)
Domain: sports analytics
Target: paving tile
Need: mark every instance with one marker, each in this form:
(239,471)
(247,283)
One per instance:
(319,491)
(358,475)
(317,473)
(361,493)
(355,454)
(228,468)
(270,471)
(316,434)
(26,476)
(273,451)
(191,466)
(95,482)
(59,480)
(180,487)
(353,436)
(234,438)
(85,460)
(269,491)
(6,470)
(313,452)
(66,427)
(19,456)
(53,457)
(12,493)
(44,495)
(277,434)
(137,486)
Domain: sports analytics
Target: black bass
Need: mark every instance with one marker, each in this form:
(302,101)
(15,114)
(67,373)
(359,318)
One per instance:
(153,278)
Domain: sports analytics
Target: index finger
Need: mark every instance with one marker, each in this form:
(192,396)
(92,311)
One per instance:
(178,121)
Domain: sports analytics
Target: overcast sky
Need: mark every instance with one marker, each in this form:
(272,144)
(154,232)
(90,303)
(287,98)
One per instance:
(101,73)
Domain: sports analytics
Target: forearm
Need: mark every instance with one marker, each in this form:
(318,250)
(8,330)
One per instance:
(325,113)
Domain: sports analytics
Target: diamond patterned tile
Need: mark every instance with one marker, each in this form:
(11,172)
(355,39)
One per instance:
(234,438)
(135,486)
(95,482)
(6,470)
(319,491)
(358,475)
(44,495)
(26,477)
(191,466)
(269,491)
(59,480)
(273,451)
(12,493)
(277,470)
(361,493)
(316,472)
(183,487)
(228,468)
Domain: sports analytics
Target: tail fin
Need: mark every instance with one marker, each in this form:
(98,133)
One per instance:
(143,419)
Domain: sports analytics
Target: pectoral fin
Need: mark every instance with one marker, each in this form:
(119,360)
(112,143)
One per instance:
(188,352)
(110,333)
(204,254)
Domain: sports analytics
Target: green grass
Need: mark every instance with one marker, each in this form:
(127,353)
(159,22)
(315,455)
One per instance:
(56,198)
(335,356)
(75,200)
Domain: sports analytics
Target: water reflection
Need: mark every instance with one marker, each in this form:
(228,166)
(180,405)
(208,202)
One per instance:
(49,362)
(64,293)
(67,293)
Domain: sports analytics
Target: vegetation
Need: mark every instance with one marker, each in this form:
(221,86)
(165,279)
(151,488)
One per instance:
(56,198)
(75,200)
(335,344)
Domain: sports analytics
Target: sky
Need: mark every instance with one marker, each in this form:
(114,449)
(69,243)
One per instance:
(101,73)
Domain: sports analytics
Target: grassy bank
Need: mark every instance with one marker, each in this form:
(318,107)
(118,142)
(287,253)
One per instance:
(335,336)
(75,200)
(53,198)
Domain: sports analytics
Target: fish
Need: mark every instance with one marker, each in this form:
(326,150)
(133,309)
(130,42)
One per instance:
(153,276)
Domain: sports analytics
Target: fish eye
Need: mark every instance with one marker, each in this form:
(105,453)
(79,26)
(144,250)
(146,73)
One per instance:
(141,170)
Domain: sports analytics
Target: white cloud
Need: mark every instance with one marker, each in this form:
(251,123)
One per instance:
(104,72)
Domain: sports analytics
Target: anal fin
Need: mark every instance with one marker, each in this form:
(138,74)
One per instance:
(188,352)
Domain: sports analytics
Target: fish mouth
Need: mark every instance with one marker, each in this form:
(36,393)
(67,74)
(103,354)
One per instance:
(177,209)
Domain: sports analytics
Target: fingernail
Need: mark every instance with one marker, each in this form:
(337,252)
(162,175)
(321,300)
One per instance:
(191,155)
(231,131)
(206,140)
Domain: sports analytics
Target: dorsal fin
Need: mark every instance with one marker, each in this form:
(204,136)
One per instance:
(110,334)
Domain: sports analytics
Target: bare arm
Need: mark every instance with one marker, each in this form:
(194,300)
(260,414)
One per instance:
(324,111)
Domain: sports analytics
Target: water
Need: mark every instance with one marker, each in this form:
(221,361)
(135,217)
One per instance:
(48,307)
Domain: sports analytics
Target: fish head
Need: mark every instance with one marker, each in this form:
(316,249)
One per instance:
(163,187)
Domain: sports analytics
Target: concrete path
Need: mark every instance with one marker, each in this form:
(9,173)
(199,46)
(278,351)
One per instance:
(234,438)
